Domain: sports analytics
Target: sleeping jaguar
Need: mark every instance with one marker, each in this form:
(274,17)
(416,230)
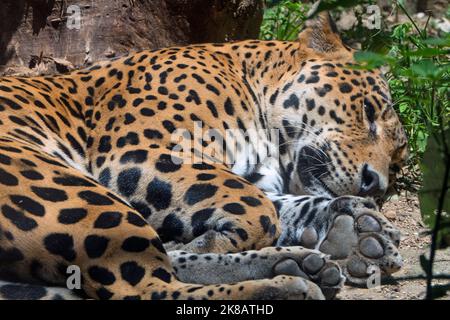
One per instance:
(92,178)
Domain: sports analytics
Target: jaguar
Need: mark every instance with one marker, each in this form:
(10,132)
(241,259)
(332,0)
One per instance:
(93,180)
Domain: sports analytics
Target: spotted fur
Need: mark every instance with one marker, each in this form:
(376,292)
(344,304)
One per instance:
(87,176)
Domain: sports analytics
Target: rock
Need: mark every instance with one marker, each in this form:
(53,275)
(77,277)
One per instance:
(390,214)
(347,20)
(394,198)
(443,25)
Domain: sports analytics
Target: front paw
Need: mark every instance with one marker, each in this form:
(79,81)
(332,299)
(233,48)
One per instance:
(308,264)
(361,239)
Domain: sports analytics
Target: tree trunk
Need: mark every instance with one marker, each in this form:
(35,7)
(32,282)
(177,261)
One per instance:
(47,36)
(422,5)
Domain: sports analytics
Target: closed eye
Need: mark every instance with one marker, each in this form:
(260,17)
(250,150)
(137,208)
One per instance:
(369,109)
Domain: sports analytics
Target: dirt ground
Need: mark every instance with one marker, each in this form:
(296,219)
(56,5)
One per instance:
(409,282)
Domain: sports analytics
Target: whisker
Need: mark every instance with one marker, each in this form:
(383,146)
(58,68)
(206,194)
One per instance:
(319,160)
(307,128)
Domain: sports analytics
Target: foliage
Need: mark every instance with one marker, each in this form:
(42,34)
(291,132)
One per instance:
(417,63)
(419,78)
(418,72)
(283,20)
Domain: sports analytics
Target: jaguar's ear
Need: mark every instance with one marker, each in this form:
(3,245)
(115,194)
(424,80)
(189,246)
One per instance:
(321,35)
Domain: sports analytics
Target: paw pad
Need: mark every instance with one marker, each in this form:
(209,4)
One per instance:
(371,248)
(309,238)
(361,237)
(357,267)
(367,223)
(331,277)
(313,263)
(341,238)
(289,267)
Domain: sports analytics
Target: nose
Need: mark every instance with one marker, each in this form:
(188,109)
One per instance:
(370,183)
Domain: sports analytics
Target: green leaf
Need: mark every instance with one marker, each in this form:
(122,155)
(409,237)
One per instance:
(433,168)
(426,69)
(401,31)
(427,52)
(422,140)
(439,42)
(403,107)
(371,59)
(283,21)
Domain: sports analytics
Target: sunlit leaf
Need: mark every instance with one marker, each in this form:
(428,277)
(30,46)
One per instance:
(403,107)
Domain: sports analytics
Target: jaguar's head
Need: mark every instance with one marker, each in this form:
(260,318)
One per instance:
(340,134)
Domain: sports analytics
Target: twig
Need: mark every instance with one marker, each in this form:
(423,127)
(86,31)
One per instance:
(410,19)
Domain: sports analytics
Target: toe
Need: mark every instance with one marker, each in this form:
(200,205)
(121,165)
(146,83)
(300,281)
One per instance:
(289,267)
(331,280)
(313,263)
(331,277)
(289,288)
(371,248)
(313,266)
(368,223)
(312,291)
(341,238)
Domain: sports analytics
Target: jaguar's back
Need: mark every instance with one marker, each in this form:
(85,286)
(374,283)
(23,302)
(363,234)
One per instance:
(95,175)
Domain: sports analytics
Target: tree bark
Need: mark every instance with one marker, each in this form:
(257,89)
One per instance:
(422,5)
(37,36)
